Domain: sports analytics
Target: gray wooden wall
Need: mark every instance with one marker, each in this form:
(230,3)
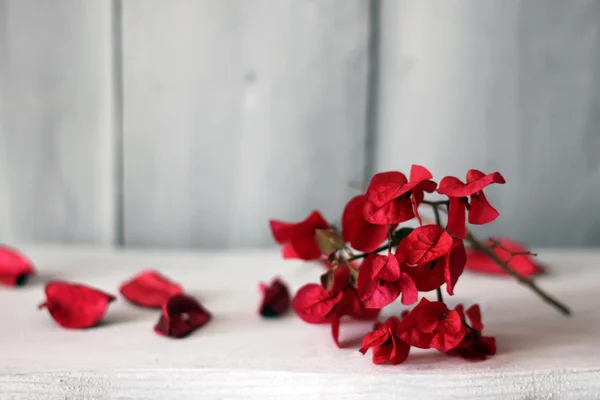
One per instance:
(190,123)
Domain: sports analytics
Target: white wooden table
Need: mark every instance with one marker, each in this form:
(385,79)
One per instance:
(240,356)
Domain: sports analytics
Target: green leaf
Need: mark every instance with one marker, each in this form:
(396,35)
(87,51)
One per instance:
(328,241)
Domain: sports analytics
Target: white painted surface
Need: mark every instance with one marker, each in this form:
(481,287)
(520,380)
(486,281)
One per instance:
(237,112)
(56,121)
(239,355)
(499,85)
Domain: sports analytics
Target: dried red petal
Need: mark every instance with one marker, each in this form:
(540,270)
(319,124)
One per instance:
(435,257)
(432,325)
(387,347)
(380,282)
(361,234)
(75,306)
(394,212)
(299,238)
(313,303)
(276,299)
(474,346)
(15,268)
(149,289)
(425,244)
(522,264)
(181,315)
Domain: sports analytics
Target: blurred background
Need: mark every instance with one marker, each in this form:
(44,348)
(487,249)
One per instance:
(190,123)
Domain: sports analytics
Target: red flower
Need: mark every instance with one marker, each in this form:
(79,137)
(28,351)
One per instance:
(181,315)
(149,289)
(389,196)
(299,238)
(432,325)
(508,251)
(431,257)
(474,346)
(15,268)
(380,282)
(386,345)
(316,305)
(480,210)
(75,306)
(362,235)
(276,298)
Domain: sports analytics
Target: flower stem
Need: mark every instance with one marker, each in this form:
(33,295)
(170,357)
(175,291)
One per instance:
(438,291)
(377,250)
(478,245)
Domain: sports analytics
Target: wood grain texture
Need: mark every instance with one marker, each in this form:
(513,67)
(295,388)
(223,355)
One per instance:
(237,112)
(56,121)
(509,86)
(238,355)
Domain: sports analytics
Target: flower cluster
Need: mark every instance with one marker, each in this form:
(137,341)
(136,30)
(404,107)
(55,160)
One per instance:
(395,262)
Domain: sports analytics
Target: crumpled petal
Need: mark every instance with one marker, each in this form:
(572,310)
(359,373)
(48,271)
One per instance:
(181,315)
(387,347)
(15,268)
(75,306)
(361,234)
(522,264)
(276,299)
(149,289)
(380,282)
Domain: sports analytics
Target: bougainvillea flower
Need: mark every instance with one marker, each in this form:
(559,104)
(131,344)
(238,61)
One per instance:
(392,199)
(276,298)
(431,256)
(299,238)
(149,289)
(508,251)
(387,347)
(474,346)
(75,306)
(432,325)
(15,268)
(362,235)
(480,210)
(181,315)
(316,305)
(380,282)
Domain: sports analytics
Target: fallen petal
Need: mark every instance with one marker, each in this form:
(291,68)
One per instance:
(75,306)
(181,315)
(15,268)
(149,289)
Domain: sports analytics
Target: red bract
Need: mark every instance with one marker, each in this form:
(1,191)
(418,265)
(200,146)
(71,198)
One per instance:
(181,315)
(474,346)
(276,298)
(430,256)
(385,344)
(315,304)
(75,306)
(380,282)
(149,289)
(15,268)
(389,195)
(505,249)
(299,238)
(432,325)
(480,210)
(362,235)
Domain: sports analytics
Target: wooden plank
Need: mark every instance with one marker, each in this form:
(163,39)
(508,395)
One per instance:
(237,112)
(56,121)
(238,355)
(509,86)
